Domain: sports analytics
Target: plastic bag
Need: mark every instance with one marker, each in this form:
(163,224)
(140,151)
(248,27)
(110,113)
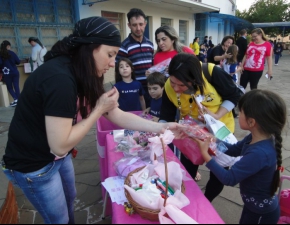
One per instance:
(188,146)
(219,130)
(127,164)
(161,67)
(195,129)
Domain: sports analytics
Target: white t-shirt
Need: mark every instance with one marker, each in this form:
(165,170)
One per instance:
(231,68)
(38,53)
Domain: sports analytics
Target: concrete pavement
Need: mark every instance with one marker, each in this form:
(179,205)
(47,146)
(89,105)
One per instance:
(88,205)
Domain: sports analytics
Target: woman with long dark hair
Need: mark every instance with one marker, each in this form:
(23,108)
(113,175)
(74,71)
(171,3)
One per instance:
(43,130)
(8,62)
(220,95)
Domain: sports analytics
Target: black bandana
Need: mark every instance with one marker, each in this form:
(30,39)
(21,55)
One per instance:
(94,30)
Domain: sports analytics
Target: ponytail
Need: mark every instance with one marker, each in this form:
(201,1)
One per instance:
(4,54)
(276,178)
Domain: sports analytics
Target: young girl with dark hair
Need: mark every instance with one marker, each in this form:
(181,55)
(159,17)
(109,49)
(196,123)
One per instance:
(8,62)
(230,65)
(131,91)
(264,114)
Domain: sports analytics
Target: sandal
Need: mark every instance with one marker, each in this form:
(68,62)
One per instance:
(197,177)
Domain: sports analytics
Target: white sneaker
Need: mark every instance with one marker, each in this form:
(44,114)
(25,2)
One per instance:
(13,104)
(276,64)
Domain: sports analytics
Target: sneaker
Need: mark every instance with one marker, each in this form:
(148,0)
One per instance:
(276,64)
(13,104)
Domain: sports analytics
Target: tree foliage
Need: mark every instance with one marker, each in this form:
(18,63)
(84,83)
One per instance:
(263,11)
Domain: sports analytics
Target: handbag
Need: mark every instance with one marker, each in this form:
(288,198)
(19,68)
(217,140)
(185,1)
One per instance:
(30,67)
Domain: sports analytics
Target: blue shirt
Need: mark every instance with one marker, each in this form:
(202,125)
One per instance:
(8,66)
(140,54)
(254,172)
(129,99)
(155,107)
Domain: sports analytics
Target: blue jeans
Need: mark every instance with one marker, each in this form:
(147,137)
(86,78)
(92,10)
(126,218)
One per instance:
(248,217)
(12,83)
(51,190)
(277,57)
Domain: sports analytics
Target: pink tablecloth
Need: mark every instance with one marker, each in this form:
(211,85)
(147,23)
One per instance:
(200,209)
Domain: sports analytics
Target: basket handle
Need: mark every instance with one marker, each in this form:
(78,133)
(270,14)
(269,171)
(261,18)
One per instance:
(166,171)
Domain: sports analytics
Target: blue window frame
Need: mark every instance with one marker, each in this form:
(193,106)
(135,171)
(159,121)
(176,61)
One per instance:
(49,20)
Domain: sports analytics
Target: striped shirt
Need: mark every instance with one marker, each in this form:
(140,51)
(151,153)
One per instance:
(140,54)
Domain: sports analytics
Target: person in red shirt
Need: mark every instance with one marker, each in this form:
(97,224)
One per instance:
(168,44)
(259,50)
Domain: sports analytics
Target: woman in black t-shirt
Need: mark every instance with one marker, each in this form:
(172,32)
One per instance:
(43,131)
(218,53)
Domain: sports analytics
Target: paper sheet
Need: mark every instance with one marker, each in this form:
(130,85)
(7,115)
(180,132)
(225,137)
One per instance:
(115,187)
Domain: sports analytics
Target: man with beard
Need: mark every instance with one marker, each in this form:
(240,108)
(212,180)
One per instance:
(138,48)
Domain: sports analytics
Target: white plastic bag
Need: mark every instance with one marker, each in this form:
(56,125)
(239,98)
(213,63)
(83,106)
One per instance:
(219,130)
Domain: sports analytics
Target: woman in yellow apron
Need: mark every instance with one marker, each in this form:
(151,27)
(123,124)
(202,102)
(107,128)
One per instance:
(220,95)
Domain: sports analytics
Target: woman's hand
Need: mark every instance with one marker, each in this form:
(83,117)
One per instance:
(177,129)
(269,74)
(147,73)
(108,101)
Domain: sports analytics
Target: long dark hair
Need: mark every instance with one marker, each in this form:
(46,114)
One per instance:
(269,111)
(4,53)
(89,84)
(118,76)
(186,68)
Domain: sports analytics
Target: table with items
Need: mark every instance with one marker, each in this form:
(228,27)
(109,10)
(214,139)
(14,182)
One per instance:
(199,208)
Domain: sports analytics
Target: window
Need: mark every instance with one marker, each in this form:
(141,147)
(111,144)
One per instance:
(116,19)
(183,32)
(49,20)
(165,21)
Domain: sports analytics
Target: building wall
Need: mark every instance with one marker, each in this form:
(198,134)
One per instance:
(155,14)
(215,29)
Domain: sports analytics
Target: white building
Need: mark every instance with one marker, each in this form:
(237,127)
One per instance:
(186,16)
(190,18)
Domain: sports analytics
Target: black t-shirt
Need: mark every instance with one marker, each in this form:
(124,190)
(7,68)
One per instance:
(49,91)
(216,51)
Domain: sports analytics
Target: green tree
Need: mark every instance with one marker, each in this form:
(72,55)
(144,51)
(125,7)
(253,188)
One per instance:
(263,11)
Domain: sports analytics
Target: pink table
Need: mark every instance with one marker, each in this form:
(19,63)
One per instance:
(200,209)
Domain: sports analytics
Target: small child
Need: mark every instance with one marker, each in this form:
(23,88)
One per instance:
(231,65)
(264,114)
(155,83)
(202,52)
(131,91)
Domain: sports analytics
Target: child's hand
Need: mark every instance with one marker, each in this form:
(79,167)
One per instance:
(155,119)
(203,147)
(146,111)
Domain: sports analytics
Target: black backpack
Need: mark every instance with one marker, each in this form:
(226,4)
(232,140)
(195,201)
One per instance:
(205,71)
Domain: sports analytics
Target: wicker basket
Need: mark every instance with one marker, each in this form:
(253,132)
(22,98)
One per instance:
(146,213)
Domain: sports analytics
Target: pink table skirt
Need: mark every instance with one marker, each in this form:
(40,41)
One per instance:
(200,209)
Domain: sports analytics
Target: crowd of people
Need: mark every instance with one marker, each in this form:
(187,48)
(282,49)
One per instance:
(70,78)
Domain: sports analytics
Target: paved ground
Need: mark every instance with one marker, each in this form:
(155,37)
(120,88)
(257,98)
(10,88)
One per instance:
(88,205)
